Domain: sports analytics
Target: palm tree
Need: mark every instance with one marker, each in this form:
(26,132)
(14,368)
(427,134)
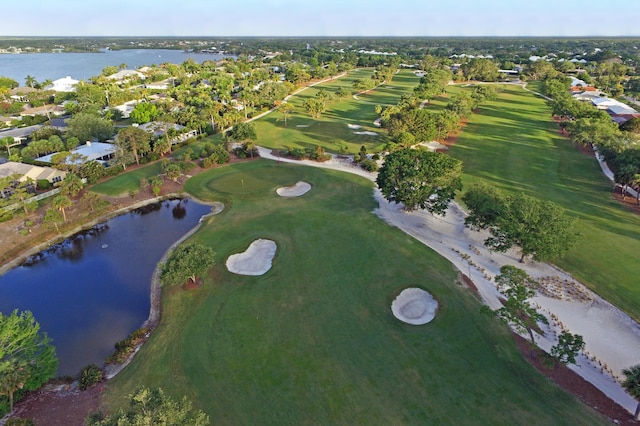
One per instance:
(632,385)
(61,202)
(30,81)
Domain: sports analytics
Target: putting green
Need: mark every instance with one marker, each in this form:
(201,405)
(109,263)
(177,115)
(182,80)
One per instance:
(234,181)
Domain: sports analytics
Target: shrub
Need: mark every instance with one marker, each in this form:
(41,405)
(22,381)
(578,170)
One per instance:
(5,216)
(207,162)
(125,347)
(219,155)
(89,376)
(298,153)
(16,421)
(43,184)
(369,165)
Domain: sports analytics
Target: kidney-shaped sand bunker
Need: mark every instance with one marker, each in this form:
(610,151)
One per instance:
(255,260)
(414,306)
(296,190)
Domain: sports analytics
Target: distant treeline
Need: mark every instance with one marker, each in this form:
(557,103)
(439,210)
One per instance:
(516,50)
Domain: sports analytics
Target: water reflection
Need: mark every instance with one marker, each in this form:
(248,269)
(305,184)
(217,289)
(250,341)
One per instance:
(179,211)
(92,290)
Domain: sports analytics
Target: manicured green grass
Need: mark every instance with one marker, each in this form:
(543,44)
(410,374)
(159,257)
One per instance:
(331,130)
(513,144)
(403,83)
(126,182)
(313,341)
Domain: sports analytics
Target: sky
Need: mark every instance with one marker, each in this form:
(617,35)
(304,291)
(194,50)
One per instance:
(227,18)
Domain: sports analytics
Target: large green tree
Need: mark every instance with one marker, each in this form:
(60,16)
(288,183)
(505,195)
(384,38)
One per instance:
(540,228)
(153,407)
(86,127)
(187,262)
(242,132)
(27,359)
(418,178)
(144,112)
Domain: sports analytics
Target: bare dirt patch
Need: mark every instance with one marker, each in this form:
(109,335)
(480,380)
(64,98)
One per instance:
(59,407)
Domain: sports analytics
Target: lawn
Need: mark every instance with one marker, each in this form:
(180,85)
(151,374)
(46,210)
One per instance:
(126,182)
(331,130)
(313,341)
(513,144)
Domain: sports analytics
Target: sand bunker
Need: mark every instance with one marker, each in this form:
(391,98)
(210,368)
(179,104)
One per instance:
(303,125)
(433,145)
(366,133)
(414,306)
(354,126)
(296,190)
(255,260)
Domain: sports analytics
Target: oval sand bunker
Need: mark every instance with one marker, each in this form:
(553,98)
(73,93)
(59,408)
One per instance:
(414,306)
(296,190)
(255,260)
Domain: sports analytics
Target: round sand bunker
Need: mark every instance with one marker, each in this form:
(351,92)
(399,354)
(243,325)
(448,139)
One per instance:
(296,190)
(414,306)
(255,260)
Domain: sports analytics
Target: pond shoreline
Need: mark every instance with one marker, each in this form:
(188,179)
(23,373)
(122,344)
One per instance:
(110,370)
(155,289)
(22,257)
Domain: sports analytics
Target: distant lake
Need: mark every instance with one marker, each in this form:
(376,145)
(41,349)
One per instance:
(93,289)
(82,66)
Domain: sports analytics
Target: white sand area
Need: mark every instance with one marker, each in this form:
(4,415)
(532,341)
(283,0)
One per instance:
(354,126)
(612,338)
(296,190)
(255,260)
(303,125)
(414,306)
(433,145)
(366,133)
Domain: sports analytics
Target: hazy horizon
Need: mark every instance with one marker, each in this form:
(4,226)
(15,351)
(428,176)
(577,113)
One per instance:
(330,18)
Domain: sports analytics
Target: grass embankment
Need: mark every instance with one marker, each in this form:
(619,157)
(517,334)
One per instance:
(313,341)
(513,144)
(331,130)
(127,182)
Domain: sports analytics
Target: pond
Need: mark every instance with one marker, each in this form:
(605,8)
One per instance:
(93,289)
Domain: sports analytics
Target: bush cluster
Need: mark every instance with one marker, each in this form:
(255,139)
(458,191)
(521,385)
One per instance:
(89,376)
(125,347)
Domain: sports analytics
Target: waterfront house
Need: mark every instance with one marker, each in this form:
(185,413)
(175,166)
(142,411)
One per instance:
(66,84)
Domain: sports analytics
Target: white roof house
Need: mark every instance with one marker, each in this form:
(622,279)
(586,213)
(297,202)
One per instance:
(66,84)
(621,110)
(98,151)
(604,103)
(159,128)
(126,108)
(578,82)
(126,75)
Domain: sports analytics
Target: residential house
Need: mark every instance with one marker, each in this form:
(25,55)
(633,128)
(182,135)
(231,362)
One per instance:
(98,151)
(23,172)
(66,84)
(123,75)
(159,129)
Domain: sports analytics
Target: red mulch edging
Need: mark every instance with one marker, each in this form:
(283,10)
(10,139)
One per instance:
(576,385)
